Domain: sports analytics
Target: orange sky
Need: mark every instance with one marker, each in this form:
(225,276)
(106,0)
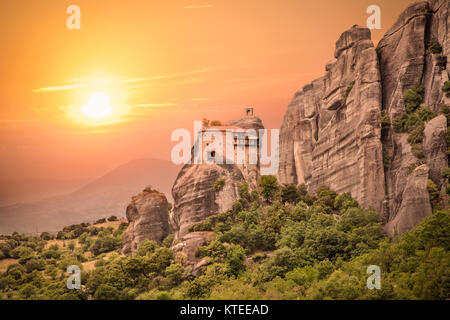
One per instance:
(170,62)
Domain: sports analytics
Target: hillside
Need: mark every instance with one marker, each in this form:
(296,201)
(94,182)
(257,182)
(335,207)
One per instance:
(106,196)
(276,244)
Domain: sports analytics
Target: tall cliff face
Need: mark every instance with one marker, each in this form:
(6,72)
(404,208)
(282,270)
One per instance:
(406,62)
(193,191)
(331,131)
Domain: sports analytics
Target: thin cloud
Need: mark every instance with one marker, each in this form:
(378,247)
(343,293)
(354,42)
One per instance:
(133,82)
(60,88)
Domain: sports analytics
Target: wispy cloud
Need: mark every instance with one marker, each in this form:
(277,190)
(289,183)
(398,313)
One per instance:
(136,82)
(198,6)
(60,88)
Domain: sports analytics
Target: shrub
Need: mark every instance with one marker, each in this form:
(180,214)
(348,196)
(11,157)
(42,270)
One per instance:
(167,242)
(235,260)
(175,273)
(289,194)
(413,121)
(28,291)
(347,92)
(112,218)
(446,89)
(445,172)
(99,221)
(413,98)
(345,201)
(433,191)
(434,46)
(417,151)
(46,236)
(326,196)
(146,247)
(243,191)
(399,123)
(219,184)
(106,292)
(71,245)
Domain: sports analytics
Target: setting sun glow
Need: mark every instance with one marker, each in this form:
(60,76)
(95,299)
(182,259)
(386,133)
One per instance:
(98,106)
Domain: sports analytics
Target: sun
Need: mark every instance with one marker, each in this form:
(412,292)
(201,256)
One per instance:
(98,106)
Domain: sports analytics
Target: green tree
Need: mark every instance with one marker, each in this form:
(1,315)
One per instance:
(175,273)
(106,292)
(289,194)
(235,260)
(269,187)
(146,247)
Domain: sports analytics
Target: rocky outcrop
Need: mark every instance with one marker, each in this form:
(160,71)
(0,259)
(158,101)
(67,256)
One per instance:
(195,197)
(148,218)
(434,148)
(415,203)
(193,191)
(331,131)
(405,62)
(189,244)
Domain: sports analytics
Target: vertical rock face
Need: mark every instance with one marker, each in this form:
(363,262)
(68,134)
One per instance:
(415,203)
(404,63)
(434,148)
(331,131)
(148,217)
(193,191)
(195,197)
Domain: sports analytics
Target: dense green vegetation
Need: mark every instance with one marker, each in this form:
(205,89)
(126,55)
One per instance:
(276,243)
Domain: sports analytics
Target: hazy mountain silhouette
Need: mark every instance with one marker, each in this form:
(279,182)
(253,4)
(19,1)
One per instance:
(103,197)
(26,191)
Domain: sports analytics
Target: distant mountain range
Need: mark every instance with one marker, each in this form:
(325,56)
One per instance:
(103,197)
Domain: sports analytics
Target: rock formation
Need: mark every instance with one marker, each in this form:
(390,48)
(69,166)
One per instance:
(189,245)
(148,217)
(415,203)
(195,199)
(193,191)
(331,135)
(405,62)
(331,130)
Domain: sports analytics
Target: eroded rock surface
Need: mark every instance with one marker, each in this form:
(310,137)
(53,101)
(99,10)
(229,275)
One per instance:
(404,63)
(331,135)
(331,131)
(148,217)
(189,244)
(193,191)
(415,204)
